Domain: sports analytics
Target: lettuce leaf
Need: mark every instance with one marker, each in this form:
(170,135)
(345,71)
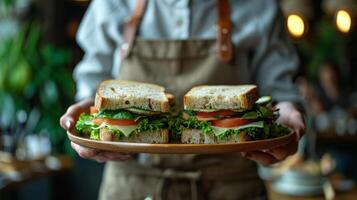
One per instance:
(192,122)
(269,130)
(146,123)
(191,112)
(175,126)
(116,114)
(151,124)
(260,112)
(218,131)
(85,124)
(94,134)
(255,130)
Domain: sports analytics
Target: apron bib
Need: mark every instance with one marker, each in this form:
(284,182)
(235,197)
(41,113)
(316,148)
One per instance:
(178,65)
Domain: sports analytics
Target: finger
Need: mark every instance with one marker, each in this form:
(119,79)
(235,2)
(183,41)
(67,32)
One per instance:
(296,122)
(83,105)
(102,158)
(280,153)
(291,117)
(75,110)
(300,130)
(260,157)
(68,119)
(67,122)
(86,103)
(84,152)
(115,156)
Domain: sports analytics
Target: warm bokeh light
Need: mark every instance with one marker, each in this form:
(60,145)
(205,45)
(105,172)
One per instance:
(343,21)
(296,25)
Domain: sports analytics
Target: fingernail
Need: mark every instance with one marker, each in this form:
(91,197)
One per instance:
(68,124)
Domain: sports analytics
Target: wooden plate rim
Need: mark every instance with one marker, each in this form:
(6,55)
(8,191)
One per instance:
(176,148)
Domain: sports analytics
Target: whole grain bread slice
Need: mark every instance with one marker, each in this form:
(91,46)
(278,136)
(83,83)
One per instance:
(196,136)
(118,94)
(221,97)
(151,137)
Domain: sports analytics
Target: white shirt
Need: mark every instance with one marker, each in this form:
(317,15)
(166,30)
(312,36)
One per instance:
(258,32)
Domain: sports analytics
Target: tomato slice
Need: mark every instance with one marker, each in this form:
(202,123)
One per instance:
(230,122)
(187,116)
(120,122)
(223,113)
(93,110)
(206,118)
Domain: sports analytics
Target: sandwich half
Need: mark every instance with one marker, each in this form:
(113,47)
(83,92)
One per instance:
(129,112)
(228,114)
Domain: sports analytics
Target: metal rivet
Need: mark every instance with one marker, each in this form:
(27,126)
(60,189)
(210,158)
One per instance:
(224,31)
(224,48)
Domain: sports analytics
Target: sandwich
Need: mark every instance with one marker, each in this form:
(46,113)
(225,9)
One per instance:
(128,112)
(228,114)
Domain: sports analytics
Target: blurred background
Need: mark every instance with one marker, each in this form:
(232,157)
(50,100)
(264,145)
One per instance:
(38,53)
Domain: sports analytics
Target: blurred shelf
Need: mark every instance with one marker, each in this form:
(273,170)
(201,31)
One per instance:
(28,171)
(340,195)
(333,137)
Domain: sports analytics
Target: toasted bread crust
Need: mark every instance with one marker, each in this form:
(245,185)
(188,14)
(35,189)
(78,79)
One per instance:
(117,94)
(240,97)
(196,136)
(152,137)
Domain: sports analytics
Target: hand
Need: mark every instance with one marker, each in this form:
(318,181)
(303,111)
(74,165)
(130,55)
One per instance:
(68,121)
(290,117)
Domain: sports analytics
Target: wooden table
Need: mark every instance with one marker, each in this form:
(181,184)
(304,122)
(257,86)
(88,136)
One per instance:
(32,175)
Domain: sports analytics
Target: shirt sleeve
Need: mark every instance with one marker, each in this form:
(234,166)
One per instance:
(275,62)
(99,38)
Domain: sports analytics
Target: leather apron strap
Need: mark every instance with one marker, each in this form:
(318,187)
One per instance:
(224,30)
(131,28)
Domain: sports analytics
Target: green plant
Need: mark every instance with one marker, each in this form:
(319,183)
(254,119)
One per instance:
(34,74)
(326,46)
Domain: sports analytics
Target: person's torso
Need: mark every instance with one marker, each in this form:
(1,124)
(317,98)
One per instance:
(179,65)
(187,19)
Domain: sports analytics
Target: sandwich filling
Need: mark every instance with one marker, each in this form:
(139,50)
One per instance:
(120,123)
(258,122)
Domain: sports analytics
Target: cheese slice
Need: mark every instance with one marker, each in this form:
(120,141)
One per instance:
(220,130)
(126,130)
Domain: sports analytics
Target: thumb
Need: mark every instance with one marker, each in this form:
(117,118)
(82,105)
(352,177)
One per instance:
(67,123)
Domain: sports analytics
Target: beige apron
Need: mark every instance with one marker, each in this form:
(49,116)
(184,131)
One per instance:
(179,65)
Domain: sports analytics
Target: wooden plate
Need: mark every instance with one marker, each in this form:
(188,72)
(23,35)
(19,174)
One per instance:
(181,148)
